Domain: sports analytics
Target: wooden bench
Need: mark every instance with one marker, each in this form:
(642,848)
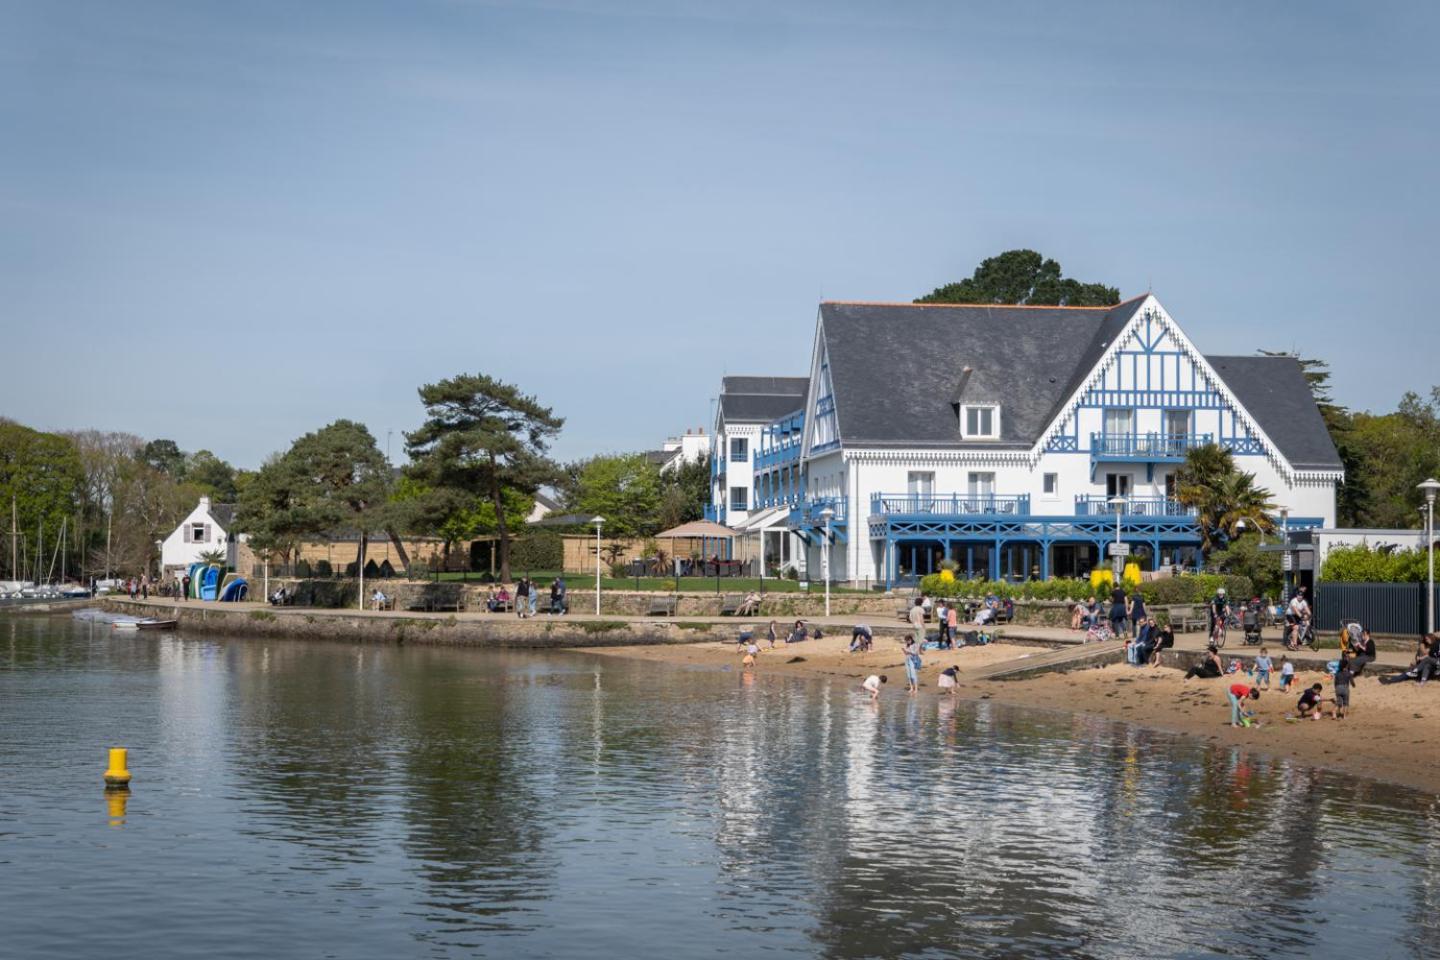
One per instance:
(730,606)
(662,606)
(387,604)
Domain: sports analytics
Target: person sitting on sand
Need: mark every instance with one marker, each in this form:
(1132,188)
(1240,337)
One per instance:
(872,685)
(947,680)
(1362,652)
(1426,664)
(1237,694)
(798,632)
(1209,668)
(1312,703)
(861,638)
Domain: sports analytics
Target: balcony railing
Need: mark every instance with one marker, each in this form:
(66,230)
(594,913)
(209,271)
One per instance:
(951,505)
(1146,446)
(788,452)
(1097,506)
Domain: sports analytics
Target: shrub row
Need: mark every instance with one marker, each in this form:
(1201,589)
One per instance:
(1361,564)
(1186,588)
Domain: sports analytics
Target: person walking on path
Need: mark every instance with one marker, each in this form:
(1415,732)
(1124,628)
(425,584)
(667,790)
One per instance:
(185,587)
(1238,693)
(522,598)
(1117,610)
(1136,610)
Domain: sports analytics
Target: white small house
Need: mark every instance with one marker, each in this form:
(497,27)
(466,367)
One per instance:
(205,530)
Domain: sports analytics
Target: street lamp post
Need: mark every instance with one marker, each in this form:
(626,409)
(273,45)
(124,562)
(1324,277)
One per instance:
(1287,560)
(599,522)
(1430,487)
(1117,563)
(827,515)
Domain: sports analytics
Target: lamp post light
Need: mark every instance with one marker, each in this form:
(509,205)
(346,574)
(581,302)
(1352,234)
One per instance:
(827,515)
(1286,562)
(1430,487)
(599,522)
(1117,563)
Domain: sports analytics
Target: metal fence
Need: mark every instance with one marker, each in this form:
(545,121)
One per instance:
(1385,608)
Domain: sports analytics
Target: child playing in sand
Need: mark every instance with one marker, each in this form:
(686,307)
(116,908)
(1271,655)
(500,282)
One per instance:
(1263,666)
(1238,693)
(1287,673)
(872,685)
(1344,674)
(1311,703)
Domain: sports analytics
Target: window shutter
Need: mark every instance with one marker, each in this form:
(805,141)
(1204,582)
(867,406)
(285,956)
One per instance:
(207,533)
(185,527)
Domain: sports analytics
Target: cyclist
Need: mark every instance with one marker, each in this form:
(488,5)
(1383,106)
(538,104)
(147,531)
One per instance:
(1219,614)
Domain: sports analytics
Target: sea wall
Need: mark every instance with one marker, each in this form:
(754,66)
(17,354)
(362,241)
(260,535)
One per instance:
(292,623)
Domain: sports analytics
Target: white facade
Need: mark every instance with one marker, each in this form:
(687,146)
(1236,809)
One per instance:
(198,533)
(688,448)
(1122,431)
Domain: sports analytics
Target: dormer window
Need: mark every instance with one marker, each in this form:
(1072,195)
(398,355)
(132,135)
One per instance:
(980,421)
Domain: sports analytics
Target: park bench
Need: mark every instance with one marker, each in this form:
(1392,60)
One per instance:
(662,606)
(1188,619)
(730,606)
(387,604)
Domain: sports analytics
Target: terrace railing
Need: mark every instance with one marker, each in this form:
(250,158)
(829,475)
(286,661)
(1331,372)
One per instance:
(1088,505)
(807,514)
(952,505)
(1146,446)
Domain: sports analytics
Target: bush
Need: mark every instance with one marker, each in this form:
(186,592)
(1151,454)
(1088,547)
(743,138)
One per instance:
(1361,564)
(1187,588)
(541,550)
(302,570)
(323,568)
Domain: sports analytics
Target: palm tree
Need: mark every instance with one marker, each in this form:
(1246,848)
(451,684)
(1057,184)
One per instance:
(216,557)
(1221,494)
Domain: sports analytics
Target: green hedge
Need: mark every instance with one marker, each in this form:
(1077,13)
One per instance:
(541,550)
(1361,564)
(1187,588)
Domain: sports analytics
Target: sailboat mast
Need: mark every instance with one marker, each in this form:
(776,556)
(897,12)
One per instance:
(14,541)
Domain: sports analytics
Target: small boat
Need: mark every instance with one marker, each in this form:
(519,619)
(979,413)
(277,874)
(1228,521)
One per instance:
(125,624)
(157,624)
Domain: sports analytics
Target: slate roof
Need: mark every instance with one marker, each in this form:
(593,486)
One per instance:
(761,399)
(223,514)
(1276,394)
(895,368)
(896,371)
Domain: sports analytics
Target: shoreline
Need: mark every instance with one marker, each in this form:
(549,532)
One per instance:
(1384,739)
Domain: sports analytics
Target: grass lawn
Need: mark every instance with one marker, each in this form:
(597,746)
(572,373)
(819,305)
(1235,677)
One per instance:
(665,584)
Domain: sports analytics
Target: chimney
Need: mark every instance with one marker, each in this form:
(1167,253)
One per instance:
(965,373)
(204,503)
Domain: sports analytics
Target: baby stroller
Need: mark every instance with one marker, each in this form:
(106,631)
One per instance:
(1250,622)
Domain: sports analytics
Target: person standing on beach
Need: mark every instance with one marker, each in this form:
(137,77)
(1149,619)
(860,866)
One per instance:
(1287,673)
(773,633)
(912,665)
(942,618)
(917,621)
(1344,674)
(871,685)
(1263,665)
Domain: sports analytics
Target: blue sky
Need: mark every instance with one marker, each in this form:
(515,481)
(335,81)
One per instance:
(232,223)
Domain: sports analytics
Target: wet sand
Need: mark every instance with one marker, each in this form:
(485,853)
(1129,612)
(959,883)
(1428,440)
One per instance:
(1386,737)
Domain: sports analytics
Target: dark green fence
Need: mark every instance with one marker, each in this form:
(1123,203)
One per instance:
(1385,608)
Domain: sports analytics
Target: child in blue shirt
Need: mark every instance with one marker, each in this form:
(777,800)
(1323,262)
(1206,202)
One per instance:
(1263,666)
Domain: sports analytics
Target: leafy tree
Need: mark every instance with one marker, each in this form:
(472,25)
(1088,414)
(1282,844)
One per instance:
(624,489)
(684,491)
(267,508)
(1023,277)
(483,436)
(165,456)
(211,474)
(1222,495)
(340,480)
(42,475)
(1394,452)
(1242,556)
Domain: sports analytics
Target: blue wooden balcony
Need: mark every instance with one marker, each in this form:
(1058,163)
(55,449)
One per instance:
(1098,506)
(1146,447)
(807,514)
(951,505)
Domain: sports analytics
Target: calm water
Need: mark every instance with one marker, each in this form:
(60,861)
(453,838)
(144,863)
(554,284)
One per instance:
(305,800)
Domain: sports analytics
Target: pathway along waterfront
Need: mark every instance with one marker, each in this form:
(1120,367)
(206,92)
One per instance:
(310,799)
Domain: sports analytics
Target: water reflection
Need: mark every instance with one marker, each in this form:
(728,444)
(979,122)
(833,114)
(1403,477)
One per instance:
(381,801)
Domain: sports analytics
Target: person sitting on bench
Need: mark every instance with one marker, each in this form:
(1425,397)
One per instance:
(749,606)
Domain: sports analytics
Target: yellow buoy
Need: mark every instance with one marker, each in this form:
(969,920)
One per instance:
(119,773)
(115,800)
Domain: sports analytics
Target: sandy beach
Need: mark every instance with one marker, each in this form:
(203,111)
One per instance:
(1385,737)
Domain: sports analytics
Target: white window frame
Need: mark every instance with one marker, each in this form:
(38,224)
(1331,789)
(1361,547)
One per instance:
(745,493)
(966,408)
(1052,482)
(197,533)
(744,456)
(980,484)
